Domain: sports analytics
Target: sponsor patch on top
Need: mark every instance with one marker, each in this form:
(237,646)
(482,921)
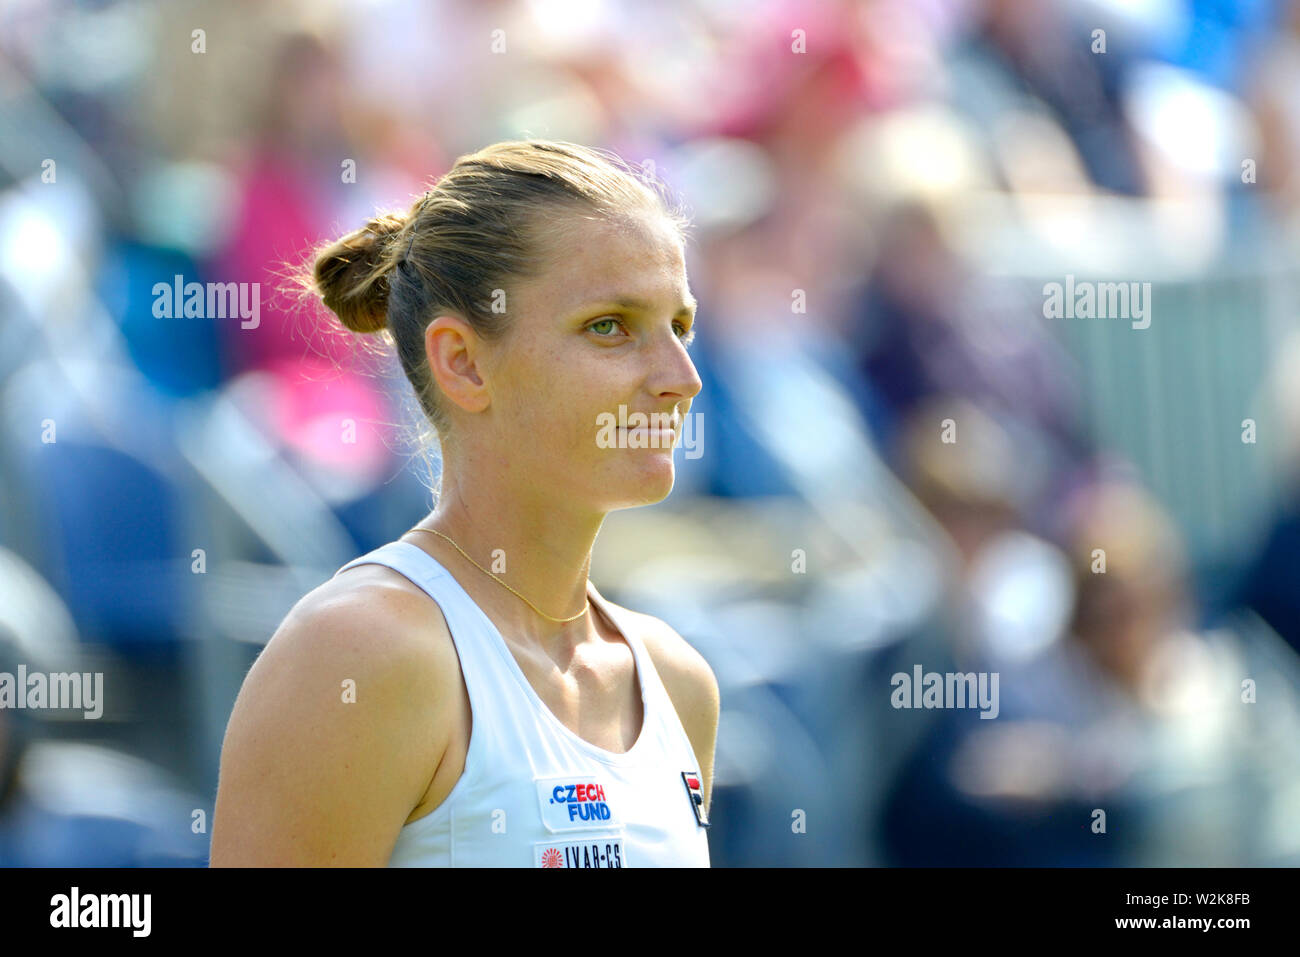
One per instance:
(571,803)
(597,852)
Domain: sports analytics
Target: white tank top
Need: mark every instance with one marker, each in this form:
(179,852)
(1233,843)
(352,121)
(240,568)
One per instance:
(533,793)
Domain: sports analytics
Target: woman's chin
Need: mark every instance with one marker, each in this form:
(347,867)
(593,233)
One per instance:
(651,479)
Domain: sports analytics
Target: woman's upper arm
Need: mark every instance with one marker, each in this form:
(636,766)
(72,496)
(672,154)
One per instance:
(333,738)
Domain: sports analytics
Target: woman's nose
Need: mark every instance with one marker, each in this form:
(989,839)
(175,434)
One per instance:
(676,374)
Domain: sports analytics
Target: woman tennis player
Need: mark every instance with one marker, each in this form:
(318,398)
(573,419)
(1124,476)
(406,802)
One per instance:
(464,696)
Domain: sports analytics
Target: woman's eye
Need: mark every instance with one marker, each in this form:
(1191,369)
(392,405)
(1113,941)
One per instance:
(600,328)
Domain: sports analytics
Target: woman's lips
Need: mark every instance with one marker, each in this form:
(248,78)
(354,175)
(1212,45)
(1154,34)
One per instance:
(657,436)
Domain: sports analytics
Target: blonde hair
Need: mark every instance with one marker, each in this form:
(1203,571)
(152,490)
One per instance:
(472,234)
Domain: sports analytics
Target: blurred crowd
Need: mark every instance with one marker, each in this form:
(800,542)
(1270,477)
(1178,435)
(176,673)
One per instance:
(905,462)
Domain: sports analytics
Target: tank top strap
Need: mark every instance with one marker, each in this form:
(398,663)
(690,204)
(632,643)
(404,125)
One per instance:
(464,619)
(404,558)
(664,709)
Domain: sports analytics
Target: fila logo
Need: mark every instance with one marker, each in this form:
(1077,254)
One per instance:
(695,791)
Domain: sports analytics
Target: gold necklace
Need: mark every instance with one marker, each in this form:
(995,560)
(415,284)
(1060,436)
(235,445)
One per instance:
(494,577)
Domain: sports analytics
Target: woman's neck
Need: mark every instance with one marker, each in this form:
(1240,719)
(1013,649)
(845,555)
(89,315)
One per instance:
(535,547)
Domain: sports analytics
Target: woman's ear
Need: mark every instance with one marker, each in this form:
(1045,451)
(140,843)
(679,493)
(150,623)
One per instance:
(455,353)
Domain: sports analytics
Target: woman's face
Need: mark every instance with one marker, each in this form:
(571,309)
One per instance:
(602,327)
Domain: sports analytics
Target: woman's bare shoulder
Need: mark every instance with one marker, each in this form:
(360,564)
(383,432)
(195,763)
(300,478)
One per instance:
(338,728)
(690,682)
(685,673)
(373,608)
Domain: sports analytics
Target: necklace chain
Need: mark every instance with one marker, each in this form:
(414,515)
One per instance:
(498,580)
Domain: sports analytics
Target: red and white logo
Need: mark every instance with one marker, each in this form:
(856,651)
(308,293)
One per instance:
(695,791)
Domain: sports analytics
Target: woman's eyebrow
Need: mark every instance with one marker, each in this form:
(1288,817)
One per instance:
(632,302)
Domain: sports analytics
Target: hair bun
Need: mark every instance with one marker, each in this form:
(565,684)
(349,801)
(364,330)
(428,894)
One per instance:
(350,273)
